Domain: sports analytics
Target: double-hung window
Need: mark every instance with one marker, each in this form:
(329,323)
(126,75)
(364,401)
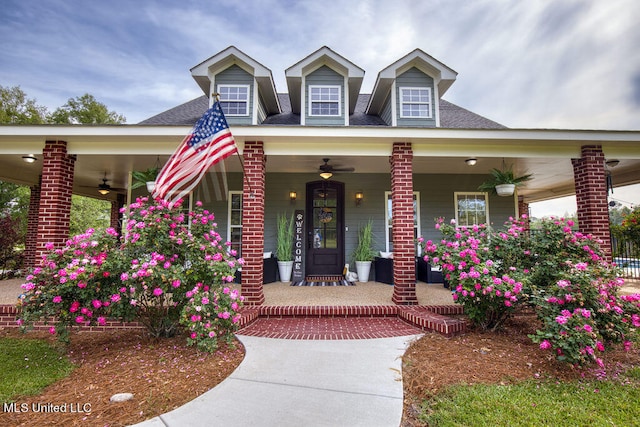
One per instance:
(388,217)
(234,228)
(471,208)
(324,100)
(415,102)
(234,99)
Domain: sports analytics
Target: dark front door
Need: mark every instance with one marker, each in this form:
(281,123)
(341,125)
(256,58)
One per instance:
(325,228)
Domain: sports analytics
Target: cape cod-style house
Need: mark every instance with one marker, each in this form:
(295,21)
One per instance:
(399,156)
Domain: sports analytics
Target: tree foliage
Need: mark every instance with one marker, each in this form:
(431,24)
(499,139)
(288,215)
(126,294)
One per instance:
(85,110)
(17,109)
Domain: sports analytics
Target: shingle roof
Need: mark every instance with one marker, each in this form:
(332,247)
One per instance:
(451,115)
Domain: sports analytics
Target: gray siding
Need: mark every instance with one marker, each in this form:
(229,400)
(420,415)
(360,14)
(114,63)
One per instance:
(415,78)
(436,200)
(386,113)
(324,76)
(235,75)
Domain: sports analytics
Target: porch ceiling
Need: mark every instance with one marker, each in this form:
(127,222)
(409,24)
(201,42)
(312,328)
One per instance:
(120,149)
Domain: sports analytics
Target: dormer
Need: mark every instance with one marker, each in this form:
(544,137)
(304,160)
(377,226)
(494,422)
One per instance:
(323,88)
(245,87)
(407,92)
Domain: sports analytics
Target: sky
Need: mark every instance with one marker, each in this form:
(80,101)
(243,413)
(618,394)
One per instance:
(571,64)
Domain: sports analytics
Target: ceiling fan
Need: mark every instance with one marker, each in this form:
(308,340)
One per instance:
(105,188)
(327,170)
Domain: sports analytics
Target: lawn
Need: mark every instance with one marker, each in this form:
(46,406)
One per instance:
(533,403)
(28,366)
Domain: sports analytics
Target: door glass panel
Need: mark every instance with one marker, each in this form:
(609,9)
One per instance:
(324,218)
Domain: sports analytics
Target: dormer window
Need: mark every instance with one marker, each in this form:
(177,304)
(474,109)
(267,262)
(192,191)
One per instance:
(415,102)
(324,101)
(234,99)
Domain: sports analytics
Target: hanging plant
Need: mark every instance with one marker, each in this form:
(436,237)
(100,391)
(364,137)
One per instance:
(140,178)
(501,177)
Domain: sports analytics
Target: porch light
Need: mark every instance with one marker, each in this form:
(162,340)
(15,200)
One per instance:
(359,197)
(293,196)
(103,191)
(472,161)
(29,158)
(326,175)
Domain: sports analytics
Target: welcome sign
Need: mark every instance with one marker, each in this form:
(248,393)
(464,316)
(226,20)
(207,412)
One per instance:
(298,247)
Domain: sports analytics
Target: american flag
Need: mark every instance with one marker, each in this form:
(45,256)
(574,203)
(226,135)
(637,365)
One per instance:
(209,142)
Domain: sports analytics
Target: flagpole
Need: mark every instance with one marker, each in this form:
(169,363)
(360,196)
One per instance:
(216,96)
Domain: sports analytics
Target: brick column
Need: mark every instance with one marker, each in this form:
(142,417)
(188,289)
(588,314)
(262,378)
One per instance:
(115,217)
(404,254)
(591,195)
(55,196)
(253,222)
(523,209)
(30,259)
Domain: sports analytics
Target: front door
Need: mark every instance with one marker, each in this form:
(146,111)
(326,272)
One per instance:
(325,228)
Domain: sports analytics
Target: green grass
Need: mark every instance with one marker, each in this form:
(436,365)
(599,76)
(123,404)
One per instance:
(596,403)
(27,366)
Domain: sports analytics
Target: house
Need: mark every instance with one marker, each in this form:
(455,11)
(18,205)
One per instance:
(400,156)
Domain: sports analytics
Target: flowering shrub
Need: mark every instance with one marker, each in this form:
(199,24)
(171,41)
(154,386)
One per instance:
(73,284)
(145,275)
(210,316)
(560,273)
(488,288)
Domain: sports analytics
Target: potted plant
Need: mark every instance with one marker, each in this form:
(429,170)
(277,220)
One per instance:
(503,182)
(146,177)
(284,247)
(363,254)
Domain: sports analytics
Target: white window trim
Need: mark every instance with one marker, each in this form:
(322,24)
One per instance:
(248,87)
(229,205)
(471,193)
(339,101)
(429,103)
(387,225)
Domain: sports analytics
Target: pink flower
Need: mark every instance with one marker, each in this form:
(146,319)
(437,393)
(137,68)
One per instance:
(212,334)
(193,335)
(115,298)
(205,300)
(587,328)
(74,307)
(175,283)
(102,321)
(82,285)
(57,299)
(599,346)
(52,330)
(627,345)
(96,303)
(79,319)
(157,292)
(561,320)
(545,345)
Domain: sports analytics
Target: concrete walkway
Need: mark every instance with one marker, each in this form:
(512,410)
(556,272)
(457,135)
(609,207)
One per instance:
(304,383)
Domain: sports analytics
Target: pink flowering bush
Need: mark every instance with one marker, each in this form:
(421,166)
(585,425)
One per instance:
(489,290)
(145,275)
(211,316)
(558,272)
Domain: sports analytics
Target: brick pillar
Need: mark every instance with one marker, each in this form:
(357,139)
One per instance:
(523,209)
(115,218)
(404,254)
(253,222)
(30,259)
(55,196)
(591,195)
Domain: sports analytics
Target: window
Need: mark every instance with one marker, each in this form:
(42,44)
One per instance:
(415,102)
(324,100)
(234,99)
(234,227)
(388,218)
(471,208)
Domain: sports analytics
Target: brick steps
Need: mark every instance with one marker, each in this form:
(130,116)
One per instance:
(348,322)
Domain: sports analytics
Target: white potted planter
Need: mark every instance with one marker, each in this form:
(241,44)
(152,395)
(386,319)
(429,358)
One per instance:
(505,189)
(363,268)
(285,268)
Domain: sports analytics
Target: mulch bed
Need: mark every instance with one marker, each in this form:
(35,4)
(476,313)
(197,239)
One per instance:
(479,357)
(161,374)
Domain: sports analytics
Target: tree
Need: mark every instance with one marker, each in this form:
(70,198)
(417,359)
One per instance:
(85,110)
(17,109)
(87,213)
